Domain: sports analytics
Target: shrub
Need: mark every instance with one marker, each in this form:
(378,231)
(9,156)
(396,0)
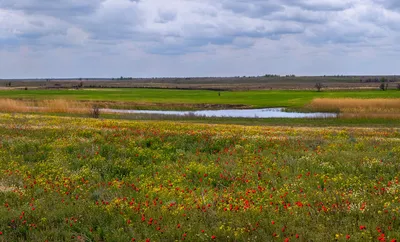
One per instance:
(95,112)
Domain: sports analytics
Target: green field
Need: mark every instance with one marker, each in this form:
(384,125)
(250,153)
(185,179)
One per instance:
(268,98)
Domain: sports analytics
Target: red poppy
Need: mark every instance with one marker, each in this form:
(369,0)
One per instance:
(347,236)
(362,227)
(213,237)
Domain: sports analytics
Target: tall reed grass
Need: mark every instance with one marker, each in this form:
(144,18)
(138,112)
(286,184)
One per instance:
(45,106)
(358,108)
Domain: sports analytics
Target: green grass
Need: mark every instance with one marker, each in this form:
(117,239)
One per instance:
(265,98)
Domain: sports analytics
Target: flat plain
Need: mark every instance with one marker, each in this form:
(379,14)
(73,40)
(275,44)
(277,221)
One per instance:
(68,175)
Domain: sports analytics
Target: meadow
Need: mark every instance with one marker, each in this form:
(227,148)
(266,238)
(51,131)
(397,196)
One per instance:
(82,179)
(195,99)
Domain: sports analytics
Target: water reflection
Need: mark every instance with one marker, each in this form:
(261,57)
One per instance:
(233,113)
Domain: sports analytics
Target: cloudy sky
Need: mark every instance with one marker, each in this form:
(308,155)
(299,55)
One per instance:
(153,38)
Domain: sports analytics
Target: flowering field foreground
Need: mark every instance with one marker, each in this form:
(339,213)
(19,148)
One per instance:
(76,179)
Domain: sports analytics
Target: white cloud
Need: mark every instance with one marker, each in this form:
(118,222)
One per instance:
(197,37)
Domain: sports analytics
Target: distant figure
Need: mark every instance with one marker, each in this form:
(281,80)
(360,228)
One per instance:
(219,94)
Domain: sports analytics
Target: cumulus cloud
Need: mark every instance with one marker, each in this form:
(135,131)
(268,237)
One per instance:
(207,37)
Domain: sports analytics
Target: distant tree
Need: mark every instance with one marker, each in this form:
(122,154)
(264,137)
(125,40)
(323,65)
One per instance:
(398,87)
(318,86)
(384,85)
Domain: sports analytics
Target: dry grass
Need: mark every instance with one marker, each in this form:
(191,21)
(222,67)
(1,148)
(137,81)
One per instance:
(46,106)
(352,103)
(371,115)
(358,108)
(10,105)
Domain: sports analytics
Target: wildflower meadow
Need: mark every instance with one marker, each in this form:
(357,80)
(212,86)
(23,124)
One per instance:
(82,179)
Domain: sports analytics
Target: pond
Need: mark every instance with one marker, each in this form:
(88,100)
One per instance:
(232,113)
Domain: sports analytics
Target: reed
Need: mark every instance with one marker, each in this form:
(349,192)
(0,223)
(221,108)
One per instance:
(355,105)
(358,108)
(63,106)
(44,106)
(10,105)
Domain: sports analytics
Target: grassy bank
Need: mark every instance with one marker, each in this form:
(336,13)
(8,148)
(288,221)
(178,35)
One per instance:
(288,122)
(291,122)
(185,99)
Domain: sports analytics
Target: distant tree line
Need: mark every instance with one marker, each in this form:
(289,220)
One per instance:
(122,78)
(271,75)
(377,80)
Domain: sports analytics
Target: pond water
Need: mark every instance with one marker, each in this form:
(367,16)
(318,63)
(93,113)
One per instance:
(233,113)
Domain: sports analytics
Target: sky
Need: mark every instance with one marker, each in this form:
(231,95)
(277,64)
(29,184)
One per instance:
(182,38)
